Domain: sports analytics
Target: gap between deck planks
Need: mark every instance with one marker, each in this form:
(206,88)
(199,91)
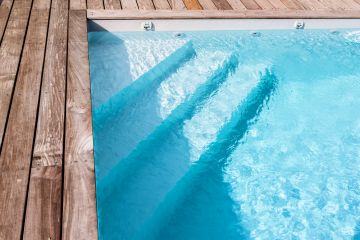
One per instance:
(10,53)
(17,147)
(313,5)
(5,7)
(32,93)
(43,211)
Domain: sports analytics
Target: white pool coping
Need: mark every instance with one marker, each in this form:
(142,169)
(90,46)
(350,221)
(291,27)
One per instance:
(220,24)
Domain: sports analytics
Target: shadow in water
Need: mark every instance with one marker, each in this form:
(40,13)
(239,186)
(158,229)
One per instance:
(199,205)
(207,213)
(133,200)
(178,116)
(109,66)
(357,231)
(111,79)
(130,196)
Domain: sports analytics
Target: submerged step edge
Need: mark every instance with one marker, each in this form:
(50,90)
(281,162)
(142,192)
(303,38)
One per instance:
(155,75)
(217,154)
(184,111)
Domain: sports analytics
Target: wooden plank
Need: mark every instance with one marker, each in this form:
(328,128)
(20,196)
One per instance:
(251,4)
(311,4)
(201,14)
(293,5)
(177,4)
(15,157)
(95,4)
(237,5)
(320,6)
(43,212)
(46,181)
(344,4)
(357,2)
(265,4)
(207,4)
(351,4)
(192,5)
(161,4)
(78,4)
(79,204)
(222,4)
(327,4)
(129,4)
(145,5)
(5,8)
(112,4)
(10,51)
(305,5)
(278,4)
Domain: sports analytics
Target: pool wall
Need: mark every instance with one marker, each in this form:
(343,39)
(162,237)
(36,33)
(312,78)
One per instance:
(220,24)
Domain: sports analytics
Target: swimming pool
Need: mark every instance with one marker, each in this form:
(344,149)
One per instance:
(227,134)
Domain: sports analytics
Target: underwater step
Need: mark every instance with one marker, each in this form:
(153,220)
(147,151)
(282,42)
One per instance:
(115,62)
(149,171)
(153,172)
(125,130)
(210,164)
(151,78)
(175,120)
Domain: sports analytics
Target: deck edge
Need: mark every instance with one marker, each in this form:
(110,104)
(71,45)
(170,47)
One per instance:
(217,14)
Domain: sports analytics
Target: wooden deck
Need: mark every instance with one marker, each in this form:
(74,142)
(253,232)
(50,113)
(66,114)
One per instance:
(47,183)
(242,5)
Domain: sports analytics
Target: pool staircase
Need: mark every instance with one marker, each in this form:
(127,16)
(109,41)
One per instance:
(148,184)
(152,77)
(213,160)
(154,104)
(182,112)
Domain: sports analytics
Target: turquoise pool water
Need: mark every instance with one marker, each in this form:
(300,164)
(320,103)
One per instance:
(227,134)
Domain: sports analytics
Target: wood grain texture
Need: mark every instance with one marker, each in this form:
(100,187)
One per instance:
(305,4)
(78,4)
(207,4)
(293,4)
(112,4)
(5,8)
(345,4)
(146,4)
(278,4)
(161,4)
(10,52)
(339,4)
(43,212)
(311,4)
(192,5)
(15,157)
(351,4)
(201,14)
(79,203)
(95,4)
(222,4)
(265,4)
(45,191)
(251,4)
(237,5)
(129,4)
(177,5)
